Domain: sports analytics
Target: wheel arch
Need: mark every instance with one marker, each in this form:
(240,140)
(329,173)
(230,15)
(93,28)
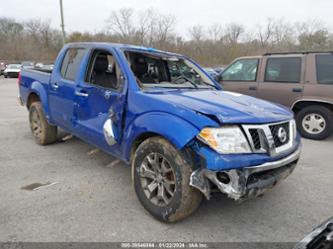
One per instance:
(38,93)
(32,97)
(139,140)
(300,104)
(175,130)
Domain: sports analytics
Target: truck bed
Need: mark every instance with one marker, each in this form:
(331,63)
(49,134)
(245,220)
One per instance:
(31,78)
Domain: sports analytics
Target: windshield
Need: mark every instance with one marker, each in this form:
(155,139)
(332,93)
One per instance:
(28,64)
(14,66)
(154,70)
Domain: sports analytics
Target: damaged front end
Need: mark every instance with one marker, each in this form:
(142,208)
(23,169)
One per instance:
(247,182)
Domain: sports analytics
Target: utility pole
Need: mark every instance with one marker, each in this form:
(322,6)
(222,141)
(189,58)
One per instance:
(62,23)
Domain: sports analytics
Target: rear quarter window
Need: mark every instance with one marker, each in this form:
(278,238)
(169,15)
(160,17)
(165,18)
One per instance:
(324,64)
(71,63)
(283,70)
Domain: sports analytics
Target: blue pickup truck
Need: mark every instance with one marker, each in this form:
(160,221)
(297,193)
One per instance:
(161,113)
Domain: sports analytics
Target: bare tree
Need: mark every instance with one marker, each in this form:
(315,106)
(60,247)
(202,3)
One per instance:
(197,33)
(215,45)
(266,33)
(313,35)
(215,32)
(233,32)
(121,23)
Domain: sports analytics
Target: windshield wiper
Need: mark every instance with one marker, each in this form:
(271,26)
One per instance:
(187,80)
(208,84)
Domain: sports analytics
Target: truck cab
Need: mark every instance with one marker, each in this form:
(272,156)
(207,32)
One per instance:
(163,115)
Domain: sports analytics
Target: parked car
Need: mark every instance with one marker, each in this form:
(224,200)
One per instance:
(320,238)
(2,67)
(12,70)
(28,64)
(180,132)
(301,81)
(47,67)
(39,65)
(211,72)
(219,70)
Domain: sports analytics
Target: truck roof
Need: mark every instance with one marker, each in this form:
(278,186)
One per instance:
(120,46)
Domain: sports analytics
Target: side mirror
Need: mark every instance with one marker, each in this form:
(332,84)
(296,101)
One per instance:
(219,78)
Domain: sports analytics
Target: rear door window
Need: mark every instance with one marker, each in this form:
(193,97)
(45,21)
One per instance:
(283,70)
(324,65)
(71,63)
(242,70)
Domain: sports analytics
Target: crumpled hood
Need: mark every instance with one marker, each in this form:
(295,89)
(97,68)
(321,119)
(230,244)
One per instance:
(227,107)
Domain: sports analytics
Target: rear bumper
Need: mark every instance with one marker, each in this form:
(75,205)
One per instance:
(245,182)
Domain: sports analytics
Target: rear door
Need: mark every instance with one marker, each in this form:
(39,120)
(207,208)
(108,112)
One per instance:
(282,79)
(100,95)
(62,88)
(241,76)
(319,77)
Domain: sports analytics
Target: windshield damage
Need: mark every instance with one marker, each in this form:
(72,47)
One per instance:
(153,70)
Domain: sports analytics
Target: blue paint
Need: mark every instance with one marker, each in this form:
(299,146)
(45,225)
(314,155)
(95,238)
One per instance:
(178,115)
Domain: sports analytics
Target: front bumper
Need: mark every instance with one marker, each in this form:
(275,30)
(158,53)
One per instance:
(11,74)
(246,182)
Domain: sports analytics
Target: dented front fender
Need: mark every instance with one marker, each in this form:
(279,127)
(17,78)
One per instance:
(173,128)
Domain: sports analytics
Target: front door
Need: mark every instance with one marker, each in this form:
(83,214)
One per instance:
(99,97)
(241,77)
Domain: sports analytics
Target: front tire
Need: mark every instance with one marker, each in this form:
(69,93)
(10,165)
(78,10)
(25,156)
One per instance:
(161,177)
(43,132)
(315,122)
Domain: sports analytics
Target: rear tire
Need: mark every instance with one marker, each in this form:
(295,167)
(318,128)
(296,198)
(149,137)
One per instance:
(315,122)
(43,132)
(161,177)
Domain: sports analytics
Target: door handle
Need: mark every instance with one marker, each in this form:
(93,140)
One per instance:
(55,86)
(297,90)
(253,88)
(81,94)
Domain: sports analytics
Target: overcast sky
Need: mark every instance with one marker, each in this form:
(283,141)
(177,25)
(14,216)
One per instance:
(90,15)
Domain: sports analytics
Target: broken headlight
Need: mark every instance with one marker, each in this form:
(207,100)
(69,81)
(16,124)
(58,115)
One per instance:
(225,140)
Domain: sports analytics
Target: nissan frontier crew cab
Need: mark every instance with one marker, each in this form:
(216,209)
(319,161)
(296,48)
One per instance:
(164,115)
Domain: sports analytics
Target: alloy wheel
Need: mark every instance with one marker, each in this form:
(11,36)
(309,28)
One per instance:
(157,179)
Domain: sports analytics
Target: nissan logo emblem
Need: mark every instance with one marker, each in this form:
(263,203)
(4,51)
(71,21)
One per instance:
(282,135)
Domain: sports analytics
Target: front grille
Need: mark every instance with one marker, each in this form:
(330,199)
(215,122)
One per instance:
(255,138)
(269,138)
(275,133)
